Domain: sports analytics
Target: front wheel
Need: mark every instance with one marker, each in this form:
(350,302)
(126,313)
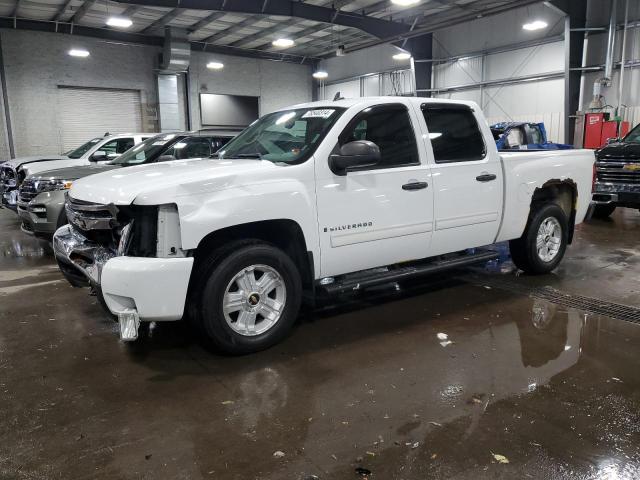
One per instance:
(544,241)
(249,298)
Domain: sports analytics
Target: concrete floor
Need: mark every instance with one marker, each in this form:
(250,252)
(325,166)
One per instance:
(367,384)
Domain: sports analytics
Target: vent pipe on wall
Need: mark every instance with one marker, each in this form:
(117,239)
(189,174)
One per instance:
(605,81)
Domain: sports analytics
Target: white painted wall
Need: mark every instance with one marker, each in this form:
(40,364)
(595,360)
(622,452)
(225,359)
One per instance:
(36,63)
(278,84)
(539,101)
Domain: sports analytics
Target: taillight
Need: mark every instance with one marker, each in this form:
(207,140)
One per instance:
(593,178)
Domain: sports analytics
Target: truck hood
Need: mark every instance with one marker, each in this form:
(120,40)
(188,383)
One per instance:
(160,182)
(73,173)
(627,151)
(16,162)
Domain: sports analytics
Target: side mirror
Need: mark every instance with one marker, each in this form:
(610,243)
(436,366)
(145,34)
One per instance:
(99,156)
(356,155)
(612,140)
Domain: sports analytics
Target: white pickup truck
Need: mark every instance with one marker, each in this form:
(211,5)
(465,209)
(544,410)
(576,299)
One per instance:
(324,197)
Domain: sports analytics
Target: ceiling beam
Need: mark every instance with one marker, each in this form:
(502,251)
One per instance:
(15,9)
(247,22)
(61,11)
(266,32)
(205,21)
(163,20)
(288,8)
(82,11)
(139,39)
(445,20)
(130,11)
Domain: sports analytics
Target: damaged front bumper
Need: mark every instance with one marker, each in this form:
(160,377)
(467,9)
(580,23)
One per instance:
(146,288)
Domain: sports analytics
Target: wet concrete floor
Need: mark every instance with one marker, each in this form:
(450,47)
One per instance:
(367,385)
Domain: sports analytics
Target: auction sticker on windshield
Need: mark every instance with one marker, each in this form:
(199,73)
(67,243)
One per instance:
(324,113)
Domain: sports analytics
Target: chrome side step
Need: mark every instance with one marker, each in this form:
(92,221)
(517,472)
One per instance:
(405,273)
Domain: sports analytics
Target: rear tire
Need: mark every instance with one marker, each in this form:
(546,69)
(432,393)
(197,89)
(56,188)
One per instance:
(246,298)
(544,241)
(603,211)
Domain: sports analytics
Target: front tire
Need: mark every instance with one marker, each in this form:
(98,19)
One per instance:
(542,246)
(247,299)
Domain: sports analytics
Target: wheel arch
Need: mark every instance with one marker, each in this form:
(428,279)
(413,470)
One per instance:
(285,234)
(562,192)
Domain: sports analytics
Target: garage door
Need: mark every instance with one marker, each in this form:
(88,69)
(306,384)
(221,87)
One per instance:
(86,113)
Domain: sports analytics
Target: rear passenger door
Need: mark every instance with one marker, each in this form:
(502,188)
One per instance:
(467,178)
(377,215)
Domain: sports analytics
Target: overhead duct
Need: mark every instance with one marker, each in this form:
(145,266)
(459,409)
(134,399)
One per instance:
(177,51)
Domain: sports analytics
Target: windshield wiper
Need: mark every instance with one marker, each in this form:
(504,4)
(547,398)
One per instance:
(249,155)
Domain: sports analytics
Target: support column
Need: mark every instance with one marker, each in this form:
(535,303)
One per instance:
(421,48)
(576,17)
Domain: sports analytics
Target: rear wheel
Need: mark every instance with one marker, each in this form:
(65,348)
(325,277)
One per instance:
(247,299)
(542,246)
(603,211)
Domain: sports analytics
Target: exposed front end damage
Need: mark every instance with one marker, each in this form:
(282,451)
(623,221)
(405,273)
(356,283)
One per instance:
(116,251)
(8,187)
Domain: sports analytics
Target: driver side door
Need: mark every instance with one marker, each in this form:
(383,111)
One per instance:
(382,214)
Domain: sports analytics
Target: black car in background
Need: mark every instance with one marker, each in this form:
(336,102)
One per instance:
(618,174)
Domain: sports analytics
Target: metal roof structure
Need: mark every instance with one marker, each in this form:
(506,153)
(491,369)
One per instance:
(248,27)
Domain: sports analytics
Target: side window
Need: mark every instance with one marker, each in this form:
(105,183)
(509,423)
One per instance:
(454,133)
(515,138)
(533,133)
(389,127)
(117,147)
(191,147)
(218,142)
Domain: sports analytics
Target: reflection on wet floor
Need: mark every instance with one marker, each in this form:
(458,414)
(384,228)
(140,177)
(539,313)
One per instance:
(367,382)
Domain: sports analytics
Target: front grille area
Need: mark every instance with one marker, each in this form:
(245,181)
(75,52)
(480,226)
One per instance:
(28,191)
(618,171)
(103,225)
(87,216)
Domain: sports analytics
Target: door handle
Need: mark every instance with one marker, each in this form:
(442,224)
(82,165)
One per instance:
(486,177)
(415,186)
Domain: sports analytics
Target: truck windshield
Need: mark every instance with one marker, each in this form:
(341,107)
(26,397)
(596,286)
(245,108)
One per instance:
(145,151)
(82,149)
(634,135)
(289,136)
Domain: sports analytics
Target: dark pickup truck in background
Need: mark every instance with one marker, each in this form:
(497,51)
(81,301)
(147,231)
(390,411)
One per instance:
(618,174)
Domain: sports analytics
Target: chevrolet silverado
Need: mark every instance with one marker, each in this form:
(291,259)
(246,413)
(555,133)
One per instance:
(317,199)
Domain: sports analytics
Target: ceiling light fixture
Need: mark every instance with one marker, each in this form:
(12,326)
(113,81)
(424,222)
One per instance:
(283,43)
(215,65)
(405,3)
(119,22)
(535,25)
(320,75)
(79,52)
(402,56)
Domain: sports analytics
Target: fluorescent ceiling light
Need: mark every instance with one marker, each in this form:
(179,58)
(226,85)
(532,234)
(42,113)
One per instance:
(320,74)
(79,52)
(535,25)
(119,22)
(215,66)
(283,43)
(402,56)
(405,3)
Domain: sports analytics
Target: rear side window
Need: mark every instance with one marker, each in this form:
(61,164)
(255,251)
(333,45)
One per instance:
(454,133)
(389,127)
